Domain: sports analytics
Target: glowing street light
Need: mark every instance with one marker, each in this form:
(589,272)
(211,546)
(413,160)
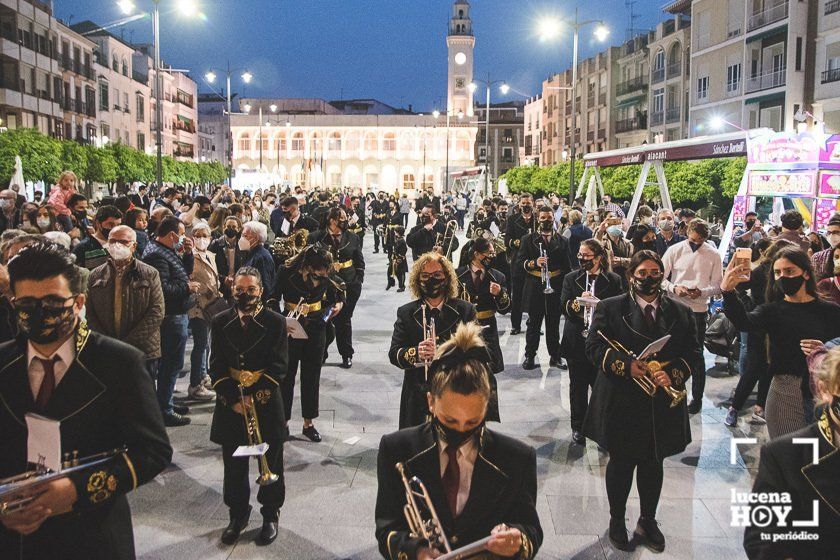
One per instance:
(273,108)
(247,108)
(187,7)
(126,6)
(504,88)
(247,77)
(436,113)
(210,76)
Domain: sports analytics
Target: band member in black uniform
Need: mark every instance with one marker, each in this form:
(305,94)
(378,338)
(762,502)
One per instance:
(379,212)
(638,430)
(595,281)
(435,286)
(98,389)
(296,220)
(484,286)
(319,213)
(393,220)
(397,260)
(249,353)
(306,286)
(357,224)
(498,499)
(540,304)
(518,226)
(428,233)
(349,265)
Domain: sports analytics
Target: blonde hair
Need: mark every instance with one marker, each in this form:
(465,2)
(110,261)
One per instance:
(68,173)
(448,271)
(462,364)
(828,375)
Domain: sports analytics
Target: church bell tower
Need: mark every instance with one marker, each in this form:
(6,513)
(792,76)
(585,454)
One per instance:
(461,44)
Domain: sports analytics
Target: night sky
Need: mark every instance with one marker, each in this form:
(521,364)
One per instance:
(392,50)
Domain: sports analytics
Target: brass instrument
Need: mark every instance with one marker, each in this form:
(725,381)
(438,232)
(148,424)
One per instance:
(423,521)
(428,333)
(497,240)
(446,241)
(647,383)
(252,428)
(18,491)
(588,304)
(288,247)
(380,230)
(544,272)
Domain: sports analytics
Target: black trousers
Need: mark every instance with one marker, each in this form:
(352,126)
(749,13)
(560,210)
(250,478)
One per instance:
(376,238)
(581,377)
(400,277)
(517,292)
(619,478)
(342,330)
(755,372)
(698,375)
(541,306)
(237,482)
(309,354)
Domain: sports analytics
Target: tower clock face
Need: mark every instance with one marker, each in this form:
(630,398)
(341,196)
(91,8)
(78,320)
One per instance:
(459,83)
(460,59)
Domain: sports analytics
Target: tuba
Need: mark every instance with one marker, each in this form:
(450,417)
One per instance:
(285,248)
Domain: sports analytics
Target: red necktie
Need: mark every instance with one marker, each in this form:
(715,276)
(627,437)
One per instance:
(47,383)
(452,479)
(649,318)
(477,278)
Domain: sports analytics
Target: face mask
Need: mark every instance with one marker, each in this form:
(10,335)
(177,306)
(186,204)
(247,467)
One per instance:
(791,284)
(342,224)
(526,209)
(319,278)
(615,231)
(179,244)
(246,303)
(694,246)
(258,203)
(44,326)
(425,219)
(201,243)
(244,244)
(649,246)
(666,225)
(479,217)
(833,239)
(546,226)
(749,224)
(555,206)
(647,286)
(486,261)
(587,264)
(43,223)
(646,221)
(105,232)
(204,214)
(564,221)
(118,251)
(6,203)
(432,288)
(452,436)
(231,233)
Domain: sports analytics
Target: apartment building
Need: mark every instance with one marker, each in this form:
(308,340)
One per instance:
(669,55)
(78,83)
(529,153)
(631,92)
(506,129)
(826,106)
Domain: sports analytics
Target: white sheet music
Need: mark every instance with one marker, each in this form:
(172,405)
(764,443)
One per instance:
(654,347)
(295,329)
(251,450)
(44,442)
(494,229)
(284,228)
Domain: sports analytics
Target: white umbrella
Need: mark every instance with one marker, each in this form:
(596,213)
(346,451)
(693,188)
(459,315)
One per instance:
(17,176)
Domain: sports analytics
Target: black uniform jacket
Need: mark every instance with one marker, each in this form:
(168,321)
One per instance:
(105,400)
(378,212)
(787,467)
(621,417)
(303,222)
(422,240)
(607,285)
(398,263)
(359,227)
(291,288)
(515,229)
(557,251)
(263,346)
(503,490)
(408,333)
(348,262)
(486,307)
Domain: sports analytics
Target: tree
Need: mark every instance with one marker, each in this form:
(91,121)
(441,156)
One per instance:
(102,167)
(74,158)
(39,154)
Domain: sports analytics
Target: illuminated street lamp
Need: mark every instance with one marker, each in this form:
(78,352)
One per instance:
(449,113)
(246,76)
(504,88)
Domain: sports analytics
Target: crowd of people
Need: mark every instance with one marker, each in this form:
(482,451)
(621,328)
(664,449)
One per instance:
(264,281)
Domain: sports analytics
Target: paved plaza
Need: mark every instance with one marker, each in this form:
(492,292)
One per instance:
(331,486)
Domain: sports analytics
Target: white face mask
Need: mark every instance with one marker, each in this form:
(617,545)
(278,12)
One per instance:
(666,225)
(244,244)
(43,222)
(833,239)
(201,243)
(118,252)
(6,203)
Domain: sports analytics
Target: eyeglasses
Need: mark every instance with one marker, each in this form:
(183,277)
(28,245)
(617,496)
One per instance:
(50,303)
(251,291)
(585,256)
(648,274)
(425,276)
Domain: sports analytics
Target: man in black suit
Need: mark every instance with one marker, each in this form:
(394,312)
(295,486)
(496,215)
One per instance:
(520,224)
(379,214)
(141,199)
(357,224)
(434,283)
(290,213)
(498,499)
(249,353)
(99,391)
(424,236)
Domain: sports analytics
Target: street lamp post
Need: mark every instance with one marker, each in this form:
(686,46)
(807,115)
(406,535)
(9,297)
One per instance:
(550,29)
(504,89)
(449,113)
(246,77)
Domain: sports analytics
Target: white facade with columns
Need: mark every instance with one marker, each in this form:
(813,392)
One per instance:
(394,153)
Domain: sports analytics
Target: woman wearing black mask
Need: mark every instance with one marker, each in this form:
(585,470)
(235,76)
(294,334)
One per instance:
(306,286)
(644,238)
(228,256)
(434,285)
(594,281)
(793,317)
(639,430)
(498,500)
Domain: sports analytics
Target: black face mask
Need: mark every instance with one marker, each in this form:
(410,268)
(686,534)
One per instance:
(452,436)
(694,246)
(546,226)
(526,210)
(319,278)
(80,214)
(486,261)
(647,286)
(231,233)
(649,246)
(425,219)
(342,224)
(791,284)
(555,206)
(105,232)
(432,288)
(204,214)
(587,264)
(45,326)
(564,221)
(480,217)
(246,303)
(749,224)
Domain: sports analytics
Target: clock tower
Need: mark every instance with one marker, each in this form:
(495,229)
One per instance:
(461,43)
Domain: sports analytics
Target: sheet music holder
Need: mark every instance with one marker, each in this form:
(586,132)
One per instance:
(295,329)
(654,347)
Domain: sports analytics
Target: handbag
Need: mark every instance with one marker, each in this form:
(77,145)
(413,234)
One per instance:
(214,307)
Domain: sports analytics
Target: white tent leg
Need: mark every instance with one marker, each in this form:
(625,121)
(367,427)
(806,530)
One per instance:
(637,194)
(664,194)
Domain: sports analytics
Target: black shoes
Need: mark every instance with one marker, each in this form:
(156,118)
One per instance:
(695,406)
(578,438)
(528,363)
(558,363)
(347,362)
(173,420)
(375,251)
(515,331)
(401,289)
(388,287)
(235,527)
(618,534)
(312,434)
(268,533)
(180,409)
(647,529)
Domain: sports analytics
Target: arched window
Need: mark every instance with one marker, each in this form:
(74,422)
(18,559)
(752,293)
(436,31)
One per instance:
(658,60)
(115,64)
(264,143)
(334,143)
(280,143)
(406,143)
(351,142)
(371,144)
(674,59)
(244,144)
(389,142)
(297,144)
(124,67)
(317,145)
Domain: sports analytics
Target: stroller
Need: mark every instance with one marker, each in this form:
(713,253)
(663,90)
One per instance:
(721,338)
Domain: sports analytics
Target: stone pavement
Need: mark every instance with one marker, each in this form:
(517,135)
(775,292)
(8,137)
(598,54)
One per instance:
(331,486)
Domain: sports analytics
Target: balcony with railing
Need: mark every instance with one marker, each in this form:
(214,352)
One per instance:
(657,75)
(602,133)
(831,75)
(631,85)
(672,115)
(81,107)
(657,118)
(767,16)
(832,6)
(767,80)
(629,125)
(590,136)
(674,69)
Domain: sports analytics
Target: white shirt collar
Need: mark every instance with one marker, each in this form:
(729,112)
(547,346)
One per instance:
(66,353)
(643,303)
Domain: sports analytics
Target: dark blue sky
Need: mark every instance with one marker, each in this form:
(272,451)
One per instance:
(393,50)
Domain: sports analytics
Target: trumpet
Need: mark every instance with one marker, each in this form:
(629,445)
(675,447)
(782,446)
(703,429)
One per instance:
(588,304)
(423,521)
(252,429)
(297,311)
(16,492)
(428,333)
(647,383)
(546,276)
(446,241)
